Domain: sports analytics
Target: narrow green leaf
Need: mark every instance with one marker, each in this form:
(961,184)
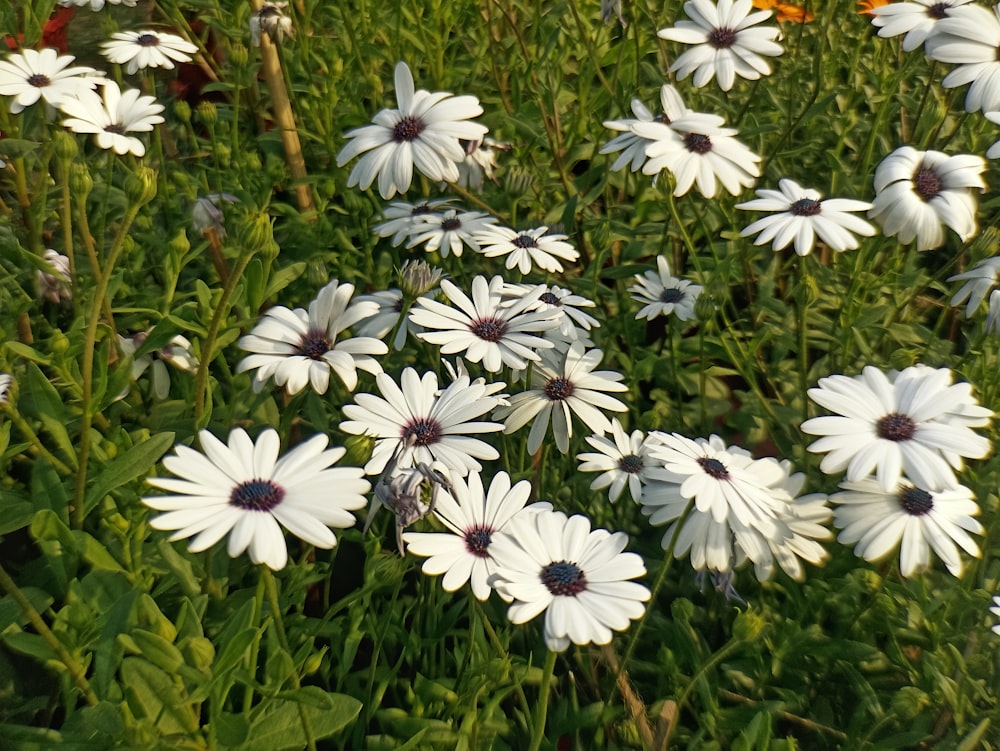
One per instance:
(134,463)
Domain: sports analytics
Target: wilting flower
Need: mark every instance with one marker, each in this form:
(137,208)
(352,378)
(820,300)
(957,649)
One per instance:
(918,191)
(299,347)
(977,282)
(245,491)
(482,327)
(6,381)
(546,561)
(54,283)
(726,42)
(913,518)
(664,294)
(402,492)
(563,385)
(473,517)
(802,215)
(425,131)
(417,423)
(139,50)
(43,74)
(526,248)
(270,19)
(611,9)
(914,422)
(177,352)
(969,37)
(207,216)
(112,118)
(480,161)
(916,18)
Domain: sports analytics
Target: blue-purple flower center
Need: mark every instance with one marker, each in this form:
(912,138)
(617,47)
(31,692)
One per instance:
(451,224)
(407,129)
(423,431)
(549,298)
(564,579)
(524,241)
(895,427)
(722,38)
(916,501)
(477,541)
(38,80)
(631,463)
(698,143)
(927,183)
(314,344)
(714,468)
(558,389)
(938,11)
(256,495)
(489,329)
(805,207)
(147,40)
(671,295)
(116,128)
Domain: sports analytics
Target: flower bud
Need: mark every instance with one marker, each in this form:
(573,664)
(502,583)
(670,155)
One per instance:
(80,181)
(180,244)
(140,186)
(239,55)
(64,146)
(417,278)
(183,111)
(359,450)
(198,652)
(749,625)
(704,307)
(207,112)
(258,235)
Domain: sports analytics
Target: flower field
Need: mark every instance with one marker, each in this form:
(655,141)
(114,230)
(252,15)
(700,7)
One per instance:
(499,375)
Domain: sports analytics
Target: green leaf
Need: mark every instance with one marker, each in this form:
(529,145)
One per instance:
(11,613)
(152,694)
(158,650)
(277,724)
(126,467)
(39,397)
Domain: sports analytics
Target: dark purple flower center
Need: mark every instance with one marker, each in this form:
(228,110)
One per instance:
(663,119)
(422,208)
(915,501)
(938,11)
(407,129)
(671,295)
(117,128)
(714,468)
(895,427)
(256,495)
(564,579)
(477,541)
(698,143)
(524,241)
(558,389)
(550,299)
(722,38)
(315,344)
(489,329)
(38,80)
(632,463)
(927,183)
(147,40)
(804,207)
(423,431)
(450,224)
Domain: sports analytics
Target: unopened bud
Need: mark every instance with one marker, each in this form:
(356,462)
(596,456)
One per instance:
(359,450)
(80,181)
(417,278)
(207,112)
(64,146)
(140,186)
(238,54)
(183,111)
(749,625)
(180,244)
(258,235)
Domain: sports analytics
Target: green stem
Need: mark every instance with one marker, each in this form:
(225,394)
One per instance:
(542,708)
(22,425)
(75,669)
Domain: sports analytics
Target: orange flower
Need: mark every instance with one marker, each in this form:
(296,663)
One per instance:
(865,7)
(786,11)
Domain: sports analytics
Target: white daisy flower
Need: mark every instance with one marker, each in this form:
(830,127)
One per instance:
(994,151)
(271,20)
(916,18)
(483,328)
(969,38)
(993,315)
(917,191)
(977,281)
(244,490)
(138,50)
(573,322)
(112,118)
(55,283)
(526,248)
(914,422)
(403,220)
(633,146)
(802,215)
(564,385)
(450,231)
(423,132)
(663,294)
(580,577)
(422,424)
(480,161)
(726,42)
(97,5)
(996,611)
(299,347)
(914,518)
(622,459)
(694,154)
(31,75)
(473,517)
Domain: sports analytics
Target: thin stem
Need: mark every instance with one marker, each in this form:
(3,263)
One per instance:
(22,425)
(542,708)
